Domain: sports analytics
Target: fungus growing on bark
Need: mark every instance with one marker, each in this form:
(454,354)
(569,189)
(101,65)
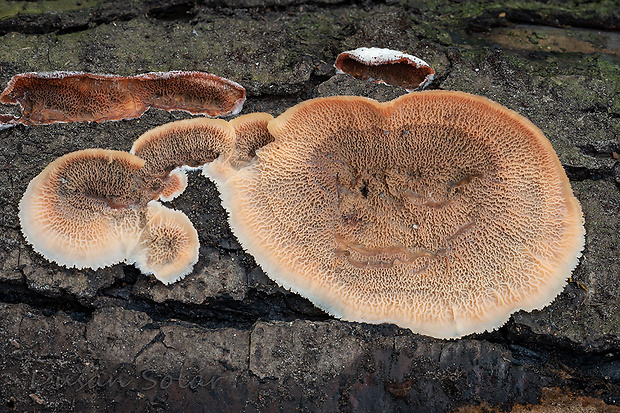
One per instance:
(79,210)
(386,66)
(251,134)
(89,209)
(172,148)
(193,92)
(172,185)
(169,244)
(220,147)
(78,97)
(439,211)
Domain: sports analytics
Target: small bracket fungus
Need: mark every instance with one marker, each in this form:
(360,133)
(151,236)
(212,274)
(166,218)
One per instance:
(218,147)
(79,210)
(169,244)
(90,209)
(439,211)
(172,148)
(85,97)
(386,66)
(251,134)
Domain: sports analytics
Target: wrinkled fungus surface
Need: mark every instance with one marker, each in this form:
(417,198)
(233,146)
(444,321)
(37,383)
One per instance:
(442,212)
(439,211)
(169,244)
(93,208)
(78,211)
(172,148)
(386,66)
(85,97)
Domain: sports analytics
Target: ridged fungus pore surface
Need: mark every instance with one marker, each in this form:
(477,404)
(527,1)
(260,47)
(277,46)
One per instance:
(193,92)
(79,97)
(79,210)
(439,211)
(172,148)
(386,66)
(169,244)
(90,208)
(251,134)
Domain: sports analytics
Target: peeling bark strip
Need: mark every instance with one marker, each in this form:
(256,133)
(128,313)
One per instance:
(386,66)
(85,97)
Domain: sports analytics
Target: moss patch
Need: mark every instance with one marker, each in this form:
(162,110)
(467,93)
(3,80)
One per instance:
(13,8)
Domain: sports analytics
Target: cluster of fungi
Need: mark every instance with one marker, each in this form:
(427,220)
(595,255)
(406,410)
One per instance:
(439,211)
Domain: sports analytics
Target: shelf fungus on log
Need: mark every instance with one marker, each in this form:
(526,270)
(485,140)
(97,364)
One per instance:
(386,66)
(440,211)
(217,147)
(85,97)
(78,211)
(169,244)
(91,209)
(171,149)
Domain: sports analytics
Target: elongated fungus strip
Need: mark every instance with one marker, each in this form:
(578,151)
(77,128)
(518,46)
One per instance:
(85,97)
(386,66)
(193,92)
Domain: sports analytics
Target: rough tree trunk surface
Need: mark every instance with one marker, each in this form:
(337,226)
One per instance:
(226,337)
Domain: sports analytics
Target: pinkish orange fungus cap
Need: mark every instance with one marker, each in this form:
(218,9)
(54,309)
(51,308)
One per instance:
(174,147)
(174,185)
(78,211)
(79,97)
(250,133)
(386,66)
(169,244)
(193,92)
(442,212)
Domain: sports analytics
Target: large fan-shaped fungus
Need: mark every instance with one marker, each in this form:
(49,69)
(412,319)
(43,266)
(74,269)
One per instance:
(439,211)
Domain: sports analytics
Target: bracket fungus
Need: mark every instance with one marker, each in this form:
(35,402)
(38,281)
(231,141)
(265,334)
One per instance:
(172,148)
(86,97)
(77,211)
(386,66)
(169,244)
(218,147)
(439,211)
(90,209)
